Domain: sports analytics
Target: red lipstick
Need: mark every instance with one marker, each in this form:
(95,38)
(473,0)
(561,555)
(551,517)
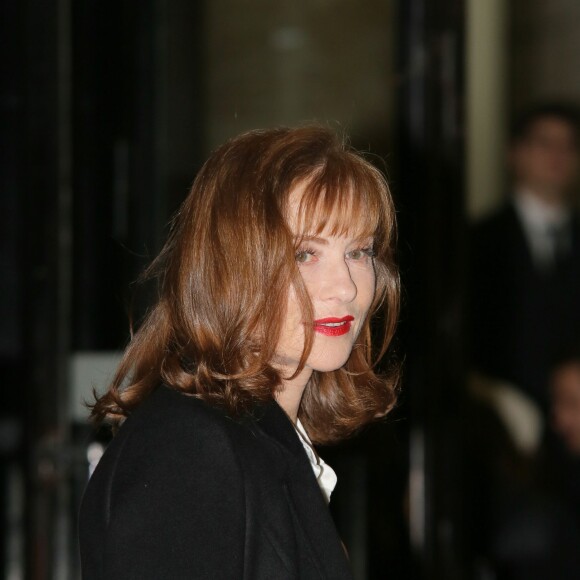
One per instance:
(333,326)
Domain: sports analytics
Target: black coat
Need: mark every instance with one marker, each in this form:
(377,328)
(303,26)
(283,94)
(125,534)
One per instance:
(522,319)
(184,492)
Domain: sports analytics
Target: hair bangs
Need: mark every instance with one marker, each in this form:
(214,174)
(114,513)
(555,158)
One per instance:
(342,200)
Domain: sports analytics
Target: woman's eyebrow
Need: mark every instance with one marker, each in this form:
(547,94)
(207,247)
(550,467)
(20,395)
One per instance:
(324,241)
(316,239)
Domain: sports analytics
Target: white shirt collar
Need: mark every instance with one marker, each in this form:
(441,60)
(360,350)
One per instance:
(539,220)
(324,474)
(536,213)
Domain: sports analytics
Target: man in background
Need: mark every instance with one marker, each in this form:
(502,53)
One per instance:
(565,391)
(525,311)
(525,258)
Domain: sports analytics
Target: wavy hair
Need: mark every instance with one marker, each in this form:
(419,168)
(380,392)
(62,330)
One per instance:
(226,270)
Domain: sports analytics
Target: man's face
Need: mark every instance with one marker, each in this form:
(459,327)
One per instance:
(566,405)
(545,160)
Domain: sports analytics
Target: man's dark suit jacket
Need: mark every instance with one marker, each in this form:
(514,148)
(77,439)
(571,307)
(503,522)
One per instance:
(522,319)
(184,492)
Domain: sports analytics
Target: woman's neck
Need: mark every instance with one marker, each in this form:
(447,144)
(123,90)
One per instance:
(290,395)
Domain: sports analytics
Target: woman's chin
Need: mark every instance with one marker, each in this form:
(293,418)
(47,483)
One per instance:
(328,364)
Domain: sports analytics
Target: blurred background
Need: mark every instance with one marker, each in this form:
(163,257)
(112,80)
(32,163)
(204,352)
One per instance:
(108,109)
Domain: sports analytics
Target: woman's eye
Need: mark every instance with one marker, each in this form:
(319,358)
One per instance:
(304,256)
(361,254)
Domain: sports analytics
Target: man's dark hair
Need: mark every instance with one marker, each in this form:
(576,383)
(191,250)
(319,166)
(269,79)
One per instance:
(568,356)
(565,112)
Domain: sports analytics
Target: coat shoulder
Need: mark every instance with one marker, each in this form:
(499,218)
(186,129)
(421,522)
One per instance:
(171,416)
(173,460)
(172,431)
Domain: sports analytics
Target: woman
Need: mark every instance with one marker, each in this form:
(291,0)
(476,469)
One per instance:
(259,343)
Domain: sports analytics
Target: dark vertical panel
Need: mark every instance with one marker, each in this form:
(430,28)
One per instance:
(429,177)
(12,303)
(88,92)
(184,147)
(114,82)
(45,262)
(11,111)
(134,62)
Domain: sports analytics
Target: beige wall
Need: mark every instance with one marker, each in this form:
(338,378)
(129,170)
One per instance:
(486,103)
(518,52)
(283,62)
(545,51)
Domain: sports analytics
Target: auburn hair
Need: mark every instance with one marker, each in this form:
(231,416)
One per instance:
(226,270)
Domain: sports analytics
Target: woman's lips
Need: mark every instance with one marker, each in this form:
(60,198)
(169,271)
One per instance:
(333,326)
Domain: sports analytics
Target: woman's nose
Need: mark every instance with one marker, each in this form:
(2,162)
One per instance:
(338,284)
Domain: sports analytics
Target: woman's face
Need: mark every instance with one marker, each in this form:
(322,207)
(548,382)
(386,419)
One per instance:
(339,274)
(566,405)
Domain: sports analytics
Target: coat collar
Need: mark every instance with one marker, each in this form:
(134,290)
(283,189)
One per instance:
(274,422)
(304,495)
